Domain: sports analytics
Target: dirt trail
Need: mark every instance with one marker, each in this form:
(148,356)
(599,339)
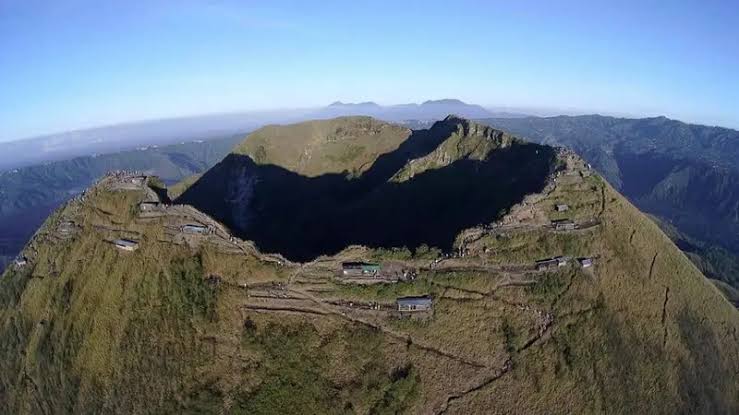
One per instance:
(651,267)
(664,316)
(292,310)
(36,393)
(507,366)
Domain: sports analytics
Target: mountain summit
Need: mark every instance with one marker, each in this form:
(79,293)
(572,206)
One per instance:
(355,266)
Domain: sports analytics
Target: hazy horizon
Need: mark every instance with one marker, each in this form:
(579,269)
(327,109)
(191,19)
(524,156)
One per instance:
(275,115)
(77,64)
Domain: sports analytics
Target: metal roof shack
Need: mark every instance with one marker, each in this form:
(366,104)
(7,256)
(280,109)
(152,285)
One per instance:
(148,206)
(362,269)
(561,207)
(195,229)
(564,225)
(545,264)
(585,262)
(423,303)
(20,262)
(551,263)
(66,228)
(126,244)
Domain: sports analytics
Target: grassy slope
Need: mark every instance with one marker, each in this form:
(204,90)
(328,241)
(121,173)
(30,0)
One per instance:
(328,146)
(616,349)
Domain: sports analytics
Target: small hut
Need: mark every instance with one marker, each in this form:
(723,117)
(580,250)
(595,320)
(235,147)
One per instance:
(360,269)
(148,206)
(411,304)
(195,229)
(126,244)
(564,225)
(585,262)
(551,263)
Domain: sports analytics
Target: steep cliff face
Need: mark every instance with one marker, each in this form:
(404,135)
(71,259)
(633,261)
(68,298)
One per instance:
(466,140)
(567,300)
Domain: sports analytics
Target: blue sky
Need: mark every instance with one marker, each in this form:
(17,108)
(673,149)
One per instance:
(69,64)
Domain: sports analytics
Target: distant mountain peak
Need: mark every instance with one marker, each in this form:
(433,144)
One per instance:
(353,104)
(445,101)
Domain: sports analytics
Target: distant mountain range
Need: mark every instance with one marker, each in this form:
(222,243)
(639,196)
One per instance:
(428,110)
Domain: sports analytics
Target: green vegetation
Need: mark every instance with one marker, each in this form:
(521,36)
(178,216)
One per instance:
(549,287)
(299,377)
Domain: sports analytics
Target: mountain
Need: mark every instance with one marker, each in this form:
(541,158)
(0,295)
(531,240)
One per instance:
(685,174)
(29,194)
(362,106)
(431,110)
(186,315)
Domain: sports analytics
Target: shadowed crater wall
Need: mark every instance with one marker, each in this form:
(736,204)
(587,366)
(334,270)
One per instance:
(303,217)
